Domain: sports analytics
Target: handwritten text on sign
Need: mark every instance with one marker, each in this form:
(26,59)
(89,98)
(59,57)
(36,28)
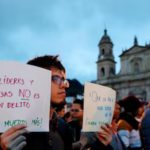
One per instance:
(99,104)
(24,96)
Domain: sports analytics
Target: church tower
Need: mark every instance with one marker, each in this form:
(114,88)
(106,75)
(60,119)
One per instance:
(105,63)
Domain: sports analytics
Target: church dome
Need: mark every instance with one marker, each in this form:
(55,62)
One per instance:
(105,38)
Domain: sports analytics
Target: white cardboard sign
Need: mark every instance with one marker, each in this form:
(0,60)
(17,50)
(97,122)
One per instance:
(99,104)
(24,96)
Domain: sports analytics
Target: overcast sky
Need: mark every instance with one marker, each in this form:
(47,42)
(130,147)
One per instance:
(72,29)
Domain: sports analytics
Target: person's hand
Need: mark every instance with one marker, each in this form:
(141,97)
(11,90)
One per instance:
(114,127)
(13,138)
(105,134)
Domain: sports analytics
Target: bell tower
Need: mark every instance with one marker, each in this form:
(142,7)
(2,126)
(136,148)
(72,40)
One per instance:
(105,63)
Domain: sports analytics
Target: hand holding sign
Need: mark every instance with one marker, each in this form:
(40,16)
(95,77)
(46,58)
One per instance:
(99,104)
(13,138)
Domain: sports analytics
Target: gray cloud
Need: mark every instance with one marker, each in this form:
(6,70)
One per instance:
(71,29)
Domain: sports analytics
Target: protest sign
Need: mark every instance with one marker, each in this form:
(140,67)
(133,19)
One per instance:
(24,96)
(99,104)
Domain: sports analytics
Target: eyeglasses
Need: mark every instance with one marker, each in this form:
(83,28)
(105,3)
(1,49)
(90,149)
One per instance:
(58,80)
(76,110)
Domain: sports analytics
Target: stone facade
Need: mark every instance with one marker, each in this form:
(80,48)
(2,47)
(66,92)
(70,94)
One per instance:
(134,75)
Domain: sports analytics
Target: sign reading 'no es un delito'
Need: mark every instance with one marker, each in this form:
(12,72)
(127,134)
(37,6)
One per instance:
(24,96)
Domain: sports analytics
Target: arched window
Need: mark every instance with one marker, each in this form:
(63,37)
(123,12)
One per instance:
(136,67)
(136,64)
(103,51)
(102,72)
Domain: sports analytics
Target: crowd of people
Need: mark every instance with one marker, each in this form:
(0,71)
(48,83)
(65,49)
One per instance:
(129,130)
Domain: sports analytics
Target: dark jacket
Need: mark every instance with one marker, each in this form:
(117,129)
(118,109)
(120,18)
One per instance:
(90,140)
(100,146)
(57,139)
(145,130)
(75,129)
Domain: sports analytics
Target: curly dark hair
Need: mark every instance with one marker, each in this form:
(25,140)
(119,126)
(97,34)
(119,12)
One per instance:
(47,62)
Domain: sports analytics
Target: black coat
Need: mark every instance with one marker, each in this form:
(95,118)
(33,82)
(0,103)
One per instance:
(59,138)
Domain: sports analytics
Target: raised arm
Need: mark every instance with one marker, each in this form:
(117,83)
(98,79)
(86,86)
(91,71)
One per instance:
(105,134)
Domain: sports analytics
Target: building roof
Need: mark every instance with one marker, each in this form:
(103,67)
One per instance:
(135,48)
(132,50)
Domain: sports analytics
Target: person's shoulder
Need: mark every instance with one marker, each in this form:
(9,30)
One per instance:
(147,112)
(146,119)
(62,123)
(124,125)
(63,127)
(73,122)
(61,120)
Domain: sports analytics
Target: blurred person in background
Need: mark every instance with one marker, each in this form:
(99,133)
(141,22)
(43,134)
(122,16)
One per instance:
(67,117)
(61,110)
(116,142)
(128,126)
(88,140)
